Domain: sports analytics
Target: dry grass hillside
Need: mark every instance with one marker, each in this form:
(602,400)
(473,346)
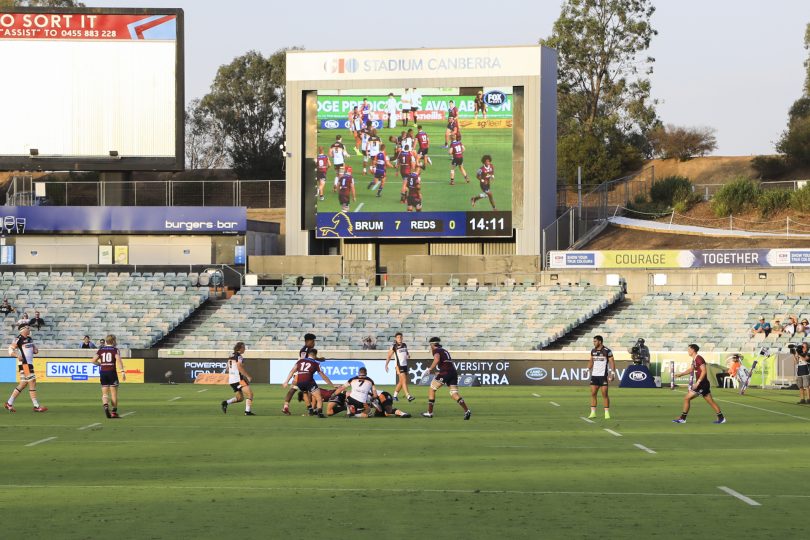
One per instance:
(705,170)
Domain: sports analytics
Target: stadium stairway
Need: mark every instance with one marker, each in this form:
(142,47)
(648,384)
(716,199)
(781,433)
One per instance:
(191,323)
(590,327)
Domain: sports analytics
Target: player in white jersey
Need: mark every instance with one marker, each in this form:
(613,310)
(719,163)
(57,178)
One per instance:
(399,350)
(406,101)
(24,349)
(338,154)
(239,379)
(361,389)
(364,141)
(602,367)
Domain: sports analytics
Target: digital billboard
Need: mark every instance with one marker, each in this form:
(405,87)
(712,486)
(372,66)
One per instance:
(415,162)
(91,89)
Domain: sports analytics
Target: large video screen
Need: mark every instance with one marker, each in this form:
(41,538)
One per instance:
(421,162)
(95,87)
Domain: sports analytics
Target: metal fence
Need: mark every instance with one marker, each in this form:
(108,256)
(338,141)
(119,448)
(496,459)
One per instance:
(24,191)
(707,191)
(583,218)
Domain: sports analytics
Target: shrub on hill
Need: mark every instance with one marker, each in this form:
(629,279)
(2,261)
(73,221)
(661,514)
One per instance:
(771,201)
(737,196)
(769,166)
(800,199)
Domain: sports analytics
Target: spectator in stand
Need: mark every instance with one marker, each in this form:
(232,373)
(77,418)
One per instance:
(87,344)
(803,328)
(732,366)
(762,327)
(37,321)
(6,308)
(102,341)
(25,320)
(776,327)
(789,327)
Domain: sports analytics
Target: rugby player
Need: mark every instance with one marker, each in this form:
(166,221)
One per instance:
(379,165)
(365,110)
(384,406)
(456,151)
(372,148)
(412,191)
(360,388)
(309,345)
(400,350)
(365,135)
(422,139)
(480,105)
(336,403)
(452,121)
(406,161)
(345,189)
(239,379)
(323,165)
(446,375)
(24,349)
(304,371)
(338,154)
(701,386)
(600,376)
(406,101)
(108,357)
(485,175)
(355,125)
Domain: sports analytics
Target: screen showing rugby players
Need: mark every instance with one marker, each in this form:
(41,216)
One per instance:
(414,162)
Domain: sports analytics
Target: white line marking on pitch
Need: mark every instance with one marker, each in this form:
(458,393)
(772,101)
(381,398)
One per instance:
(203,390)
(508,447)
(587,420)
(642,447)
(536,395)
(613,432)
(176,398)
(761,409)
(359,207)
(89,426)
(127,414)
(555,404)
(40,441)
(739,495)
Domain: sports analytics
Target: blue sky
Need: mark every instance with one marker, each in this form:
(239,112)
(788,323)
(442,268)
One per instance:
(735,66)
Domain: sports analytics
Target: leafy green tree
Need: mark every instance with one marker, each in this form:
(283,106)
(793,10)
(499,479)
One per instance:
(206,144)
(682,143)
(603,86)
(795,140)
(248,102)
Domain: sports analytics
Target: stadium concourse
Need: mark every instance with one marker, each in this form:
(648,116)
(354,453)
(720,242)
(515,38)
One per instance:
(144,309)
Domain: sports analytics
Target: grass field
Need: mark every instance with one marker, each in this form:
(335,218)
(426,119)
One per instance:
(437,193)
(525,466)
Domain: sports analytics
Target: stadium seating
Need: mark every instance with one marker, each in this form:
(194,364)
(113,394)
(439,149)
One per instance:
(466,316)
(138,309)
(715,321)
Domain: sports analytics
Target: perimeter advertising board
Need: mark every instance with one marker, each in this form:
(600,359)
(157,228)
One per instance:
(694,258)
(82,370)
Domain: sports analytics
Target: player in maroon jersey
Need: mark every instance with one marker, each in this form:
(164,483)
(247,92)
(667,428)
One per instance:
(303,373)
(412,191)
(701,386)
(446,375)
(323,165)
(456,152)
(485,175)
(108,358)
(345,188)
(452,120)
(380,163)
(423,142)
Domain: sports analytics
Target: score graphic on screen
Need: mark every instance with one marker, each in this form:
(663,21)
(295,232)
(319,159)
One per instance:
(425,162)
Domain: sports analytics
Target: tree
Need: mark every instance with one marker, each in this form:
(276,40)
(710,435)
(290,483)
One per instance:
(603,87)
(795,140)
(248,102)
(206,144)
(681,142)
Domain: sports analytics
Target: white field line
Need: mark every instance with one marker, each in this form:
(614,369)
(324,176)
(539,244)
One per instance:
(615,434)
(642,447)
(805,418)
(359,207)
(738,495)
(536,395)
(127,414)
(40,441)
(587,420)
(89,426)
(176,398)
(554,403)
(203,390)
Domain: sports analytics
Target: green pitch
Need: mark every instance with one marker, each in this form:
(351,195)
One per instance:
(523,467)
(437,193)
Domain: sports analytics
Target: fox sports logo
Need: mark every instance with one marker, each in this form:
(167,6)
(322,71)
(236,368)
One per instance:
(495,97)
(638,376)
(331,124)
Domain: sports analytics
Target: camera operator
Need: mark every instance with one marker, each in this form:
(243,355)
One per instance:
(640,353)
(801,359)
(733,364)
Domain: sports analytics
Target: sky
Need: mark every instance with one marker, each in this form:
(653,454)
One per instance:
(735,66)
